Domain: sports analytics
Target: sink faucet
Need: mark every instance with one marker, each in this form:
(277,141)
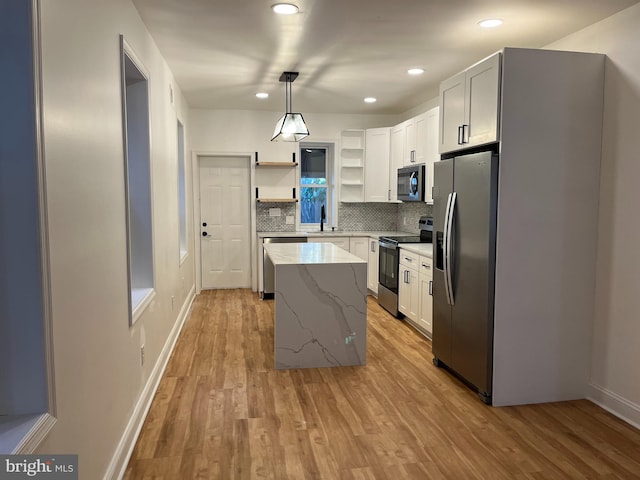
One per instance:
(323,217)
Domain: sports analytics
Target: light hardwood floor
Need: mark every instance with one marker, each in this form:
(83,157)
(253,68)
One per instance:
(223,412)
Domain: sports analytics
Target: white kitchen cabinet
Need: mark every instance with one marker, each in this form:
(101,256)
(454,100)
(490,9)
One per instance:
(409,285)
(376,168)
(425,309)
(470,106)
(410,142)
(359,246)
(421,138)
(372,270)
(342,242)
(352,157)
(429,131)
(396,159)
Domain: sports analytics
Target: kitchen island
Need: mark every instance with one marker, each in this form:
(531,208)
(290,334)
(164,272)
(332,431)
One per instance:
(320,305)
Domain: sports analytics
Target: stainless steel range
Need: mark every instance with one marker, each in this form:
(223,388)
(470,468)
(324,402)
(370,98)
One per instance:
(389,263)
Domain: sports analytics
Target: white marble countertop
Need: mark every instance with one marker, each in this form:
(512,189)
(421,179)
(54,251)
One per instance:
(425,249)
(308,253)
(329,233)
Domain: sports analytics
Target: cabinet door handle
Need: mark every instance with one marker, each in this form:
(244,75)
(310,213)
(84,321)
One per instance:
(408,259)
(426,266)
(459,134)
(431,287)
(373,246)
(465,129)
(413,156)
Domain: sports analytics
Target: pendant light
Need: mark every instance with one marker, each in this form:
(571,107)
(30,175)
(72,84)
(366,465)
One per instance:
(291,126)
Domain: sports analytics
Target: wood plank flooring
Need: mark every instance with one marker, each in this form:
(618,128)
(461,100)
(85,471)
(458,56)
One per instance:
(223,412)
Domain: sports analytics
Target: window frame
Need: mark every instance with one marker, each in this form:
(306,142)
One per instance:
(183,238)
(144,295)
(330,185)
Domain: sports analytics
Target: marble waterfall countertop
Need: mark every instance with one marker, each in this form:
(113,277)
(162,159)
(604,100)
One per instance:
(337,233)
(308,253)
(320,306)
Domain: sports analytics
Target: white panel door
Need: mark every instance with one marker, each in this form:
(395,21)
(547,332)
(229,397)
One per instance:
(225,222)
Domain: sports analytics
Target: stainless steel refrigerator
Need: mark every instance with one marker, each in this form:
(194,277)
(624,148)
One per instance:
(464,224)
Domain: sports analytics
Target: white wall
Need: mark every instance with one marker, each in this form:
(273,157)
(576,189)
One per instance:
(251,130)
(99,382)
(616,356)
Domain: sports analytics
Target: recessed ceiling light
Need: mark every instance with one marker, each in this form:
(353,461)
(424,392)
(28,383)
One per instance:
(490,23)
(370,100)
(262,95)
(415,71)
(284,8)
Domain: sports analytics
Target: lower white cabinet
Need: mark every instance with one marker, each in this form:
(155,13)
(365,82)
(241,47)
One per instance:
(359,246)
(408,285)
(342,242)
(372,270)
(415,287)
(425,277)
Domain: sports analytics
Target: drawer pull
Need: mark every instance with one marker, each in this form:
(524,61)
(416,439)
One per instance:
(408,259)
(426,266)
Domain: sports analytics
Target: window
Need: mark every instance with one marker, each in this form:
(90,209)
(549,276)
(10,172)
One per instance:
(137,181)
(182,193)
(316,187)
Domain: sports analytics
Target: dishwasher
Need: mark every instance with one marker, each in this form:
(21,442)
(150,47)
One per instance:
(268,272)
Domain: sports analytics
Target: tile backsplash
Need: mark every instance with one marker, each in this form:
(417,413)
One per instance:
(409,214)
(351,216)
(367,216)
(266,223)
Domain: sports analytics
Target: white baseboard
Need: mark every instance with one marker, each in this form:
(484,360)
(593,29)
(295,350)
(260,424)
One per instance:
(120,459)
(615,404)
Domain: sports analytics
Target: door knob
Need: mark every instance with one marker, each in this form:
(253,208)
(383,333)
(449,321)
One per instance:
(204,224)
(204,234)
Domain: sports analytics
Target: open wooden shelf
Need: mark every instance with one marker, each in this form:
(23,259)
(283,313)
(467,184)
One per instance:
(277,200)
(277,164)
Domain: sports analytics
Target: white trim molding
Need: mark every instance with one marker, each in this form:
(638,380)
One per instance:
(120,459)
(615,404)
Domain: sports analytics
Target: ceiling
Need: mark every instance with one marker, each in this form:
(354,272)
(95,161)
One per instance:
(222,52)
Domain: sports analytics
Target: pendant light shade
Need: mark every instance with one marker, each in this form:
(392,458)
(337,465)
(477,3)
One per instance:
(290,127)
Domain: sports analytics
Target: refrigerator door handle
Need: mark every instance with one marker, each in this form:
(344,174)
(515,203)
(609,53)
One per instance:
(446,250)
(448,258)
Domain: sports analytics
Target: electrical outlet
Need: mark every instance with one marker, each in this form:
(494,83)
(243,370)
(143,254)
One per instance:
(404,219)
(274,212)
(141,355)
(289,220)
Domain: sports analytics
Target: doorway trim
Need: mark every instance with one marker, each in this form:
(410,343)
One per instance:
(195,169)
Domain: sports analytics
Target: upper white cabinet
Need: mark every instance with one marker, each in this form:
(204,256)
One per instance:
(396,159)
(410,142)
(376,183)
(470,106)
(352,154)
(428,129)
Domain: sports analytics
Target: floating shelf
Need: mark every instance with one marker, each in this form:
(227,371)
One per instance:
(277,200)
(277,164)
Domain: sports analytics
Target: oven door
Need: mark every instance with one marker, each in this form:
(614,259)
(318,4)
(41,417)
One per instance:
(388,266)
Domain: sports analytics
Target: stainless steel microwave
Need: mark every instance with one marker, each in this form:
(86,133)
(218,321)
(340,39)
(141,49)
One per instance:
(411,183)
